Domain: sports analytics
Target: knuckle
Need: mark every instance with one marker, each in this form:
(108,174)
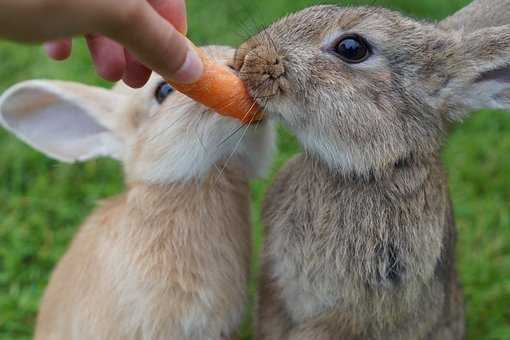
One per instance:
(176,47)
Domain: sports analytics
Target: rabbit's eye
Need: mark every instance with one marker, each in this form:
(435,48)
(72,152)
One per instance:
(163,91)
(353,49)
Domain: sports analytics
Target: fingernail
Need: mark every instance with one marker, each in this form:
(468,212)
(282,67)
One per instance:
(192,69)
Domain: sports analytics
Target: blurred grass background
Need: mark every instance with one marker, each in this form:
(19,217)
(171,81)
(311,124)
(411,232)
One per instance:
(42,202)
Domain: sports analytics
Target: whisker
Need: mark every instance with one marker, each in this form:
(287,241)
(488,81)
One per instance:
(166,128)
(248,31)
(259,86)
(236,130)
(249,110)
(236,147)
(251,73)
(241,126)
(265,97)
(259,26)
(244,49)
(205,149)
(271,40)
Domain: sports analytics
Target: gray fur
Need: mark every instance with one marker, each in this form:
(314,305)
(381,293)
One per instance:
(360,258)
(360,234)
(479,14)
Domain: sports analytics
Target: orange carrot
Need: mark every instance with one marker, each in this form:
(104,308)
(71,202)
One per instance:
(222,91)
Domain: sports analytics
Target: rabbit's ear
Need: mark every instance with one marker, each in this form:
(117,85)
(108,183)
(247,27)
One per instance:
(482,77)
(66,121)
(477,15)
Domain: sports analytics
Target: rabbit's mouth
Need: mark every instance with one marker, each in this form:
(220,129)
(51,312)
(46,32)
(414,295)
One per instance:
(238,72)
(233,69)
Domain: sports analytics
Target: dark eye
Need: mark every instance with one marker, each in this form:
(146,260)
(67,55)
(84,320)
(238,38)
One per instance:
(353,49)
(163,91)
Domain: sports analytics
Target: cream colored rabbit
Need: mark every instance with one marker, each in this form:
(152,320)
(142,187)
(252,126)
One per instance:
(169,258)
(360,234)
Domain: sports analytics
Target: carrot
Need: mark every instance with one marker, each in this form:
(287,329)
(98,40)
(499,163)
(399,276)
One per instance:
(222,91)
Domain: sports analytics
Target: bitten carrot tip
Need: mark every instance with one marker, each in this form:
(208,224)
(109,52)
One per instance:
(222,91)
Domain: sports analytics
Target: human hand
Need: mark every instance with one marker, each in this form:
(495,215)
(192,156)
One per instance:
(126,38)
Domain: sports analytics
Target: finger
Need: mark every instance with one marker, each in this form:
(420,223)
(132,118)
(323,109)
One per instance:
(174,11)
(108,57)
(136,74)
(59,49)
(157,44)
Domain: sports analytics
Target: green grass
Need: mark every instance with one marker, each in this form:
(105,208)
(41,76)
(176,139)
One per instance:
(42,202)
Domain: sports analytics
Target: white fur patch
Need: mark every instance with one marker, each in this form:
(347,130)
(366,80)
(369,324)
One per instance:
(192,141)
(336,158)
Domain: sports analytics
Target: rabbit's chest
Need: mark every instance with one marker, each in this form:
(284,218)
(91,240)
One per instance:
(350,249)
(350,267)
(173,287)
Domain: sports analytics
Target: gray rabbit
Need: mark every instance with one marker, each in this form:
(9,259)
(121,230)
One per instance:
(360,234)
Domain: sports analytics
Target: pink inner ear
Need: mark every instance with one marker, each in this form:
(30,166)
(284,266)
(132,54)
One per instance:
(57,126)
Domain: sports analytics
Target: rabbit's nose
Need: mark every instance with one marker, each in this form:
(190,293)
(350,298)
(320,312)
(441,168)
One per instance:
(259,60)
(261,68)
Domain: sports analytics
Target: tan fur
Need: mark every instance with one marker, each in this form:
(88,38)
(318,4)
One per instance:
(360,234)
(169,258)
(158,262)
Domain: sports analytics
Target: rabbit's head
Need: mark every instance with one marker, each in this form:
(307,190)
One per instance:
(159,134)
(366,88)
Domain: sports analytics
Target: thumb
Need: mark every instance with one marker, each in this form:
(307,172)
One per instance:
(157,44)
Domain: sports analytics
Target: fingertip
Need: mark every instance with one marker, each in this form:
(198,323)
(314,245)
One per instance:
(159,46)
(59,50)
(110,70)
(108,57)
(136,74)
(191,70)
(134,81)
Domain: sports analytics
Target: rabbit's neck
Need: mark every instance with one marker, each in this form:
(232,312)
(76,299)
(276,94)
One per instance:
(197,200)
(411,170)
(160,223)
